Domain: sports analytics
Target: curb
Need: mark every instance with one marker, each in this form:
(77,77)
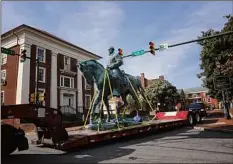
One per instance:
(213,130)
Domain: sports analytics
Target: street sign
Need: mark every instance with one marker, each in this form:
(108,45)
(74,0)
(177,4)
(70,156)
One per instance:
(7,51)
(138,53)
(163,47)
(222,83)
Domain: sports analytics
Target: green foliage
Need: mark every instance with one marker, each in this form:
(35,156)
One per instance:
(217,50)
(163,92)
(132,103)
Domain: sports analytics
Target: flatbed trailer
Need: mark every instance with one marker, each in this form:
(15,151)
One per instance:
(50,129)
(86,137)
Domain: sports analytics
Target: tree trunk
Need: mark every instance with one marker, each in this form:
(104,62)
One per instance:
(226,111)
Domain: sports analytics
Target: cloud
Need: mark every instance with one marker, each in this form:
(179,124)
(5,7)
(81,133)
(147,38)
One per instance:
(208,15)
(91,25)
(95,27)
(11,17)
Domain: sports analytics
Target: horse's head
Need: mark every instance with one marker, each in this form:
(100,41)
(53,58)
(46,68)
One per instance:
(88,69)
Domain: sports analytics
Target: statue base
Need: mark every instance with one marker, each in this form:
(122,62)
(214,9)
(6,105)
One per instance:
(113,124)
(102,127)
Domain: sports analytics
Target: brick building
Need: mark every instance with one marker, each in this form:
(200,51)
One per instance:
(59,77)
(145,82)
(199,94)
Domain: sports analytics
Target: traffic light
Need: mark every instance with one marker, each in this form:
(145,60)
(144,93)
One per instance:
(41,97)
(23,56)
(152,48)
(32,97)
(120,52)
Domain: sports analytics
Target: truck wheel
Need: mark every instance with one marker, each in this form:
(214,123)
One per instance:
(59,134)
(198,118)
(191,119)
(9,141)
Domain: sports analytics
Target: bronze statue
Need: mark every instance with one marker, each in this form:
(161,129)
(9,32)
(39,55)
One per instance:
(115,61)
(94,73)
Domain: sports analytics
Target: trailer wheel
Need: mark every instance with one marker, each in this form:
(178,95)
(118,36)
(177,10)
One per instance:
(58,135)
(9,141)
(198,118)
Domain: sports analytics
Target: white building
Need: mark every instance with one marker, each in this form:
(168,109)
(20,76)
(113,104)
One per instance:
(59,77)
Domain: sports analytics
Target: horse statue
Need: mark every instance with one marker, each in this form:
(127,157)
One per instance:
(94,72)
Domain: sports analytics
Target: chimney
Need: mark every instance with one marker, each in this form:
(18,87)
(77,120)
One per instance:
(143,80)
(161,77)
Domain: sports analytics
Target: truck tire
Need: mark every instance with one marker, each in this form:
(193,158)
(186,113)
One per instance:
(197,118)
(191,119)
(9,140)
(60,134)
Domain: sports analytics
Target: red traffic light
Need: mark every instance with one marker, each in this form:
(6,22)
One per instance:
(152,48)
(152,44)
(120,51)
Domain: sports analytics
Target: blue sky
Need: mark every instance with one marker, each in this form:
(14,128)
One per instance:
(130,25)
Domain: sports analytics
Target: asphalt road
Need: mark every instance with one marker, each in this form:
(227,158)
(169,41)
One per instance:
(178,146)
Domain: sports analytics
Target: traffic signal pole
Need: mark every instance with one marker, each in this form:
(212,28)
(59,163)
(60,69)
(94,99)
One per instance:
(191,41)
(37,81)
(24,57)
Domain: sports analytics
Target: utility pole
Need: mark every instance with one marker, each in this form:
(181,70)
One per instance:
(141,52)
(23,59)
(37,81)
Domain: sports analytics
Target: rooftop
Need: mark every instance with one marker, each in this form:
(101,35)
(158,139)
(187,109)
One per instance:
(48,34)
(195,90)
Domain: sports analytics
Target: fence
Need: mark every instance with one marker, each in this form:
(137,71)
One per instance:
(71,114)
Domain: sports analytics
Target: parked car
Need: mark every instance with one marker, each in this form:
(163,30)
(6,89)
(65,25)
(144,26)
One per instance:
(199,110)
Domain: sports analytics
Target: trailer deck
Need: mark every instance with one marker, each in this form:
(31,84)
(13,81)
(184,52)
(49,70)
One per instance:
(80,138)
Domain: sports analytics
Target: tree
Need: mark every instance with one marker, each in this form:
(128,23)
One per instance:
(132,103)
(163,92)
(216,59)
(183,99)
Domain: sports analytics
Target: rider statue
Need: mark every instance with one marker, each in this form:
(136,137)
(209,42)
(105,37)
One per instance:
(115,61)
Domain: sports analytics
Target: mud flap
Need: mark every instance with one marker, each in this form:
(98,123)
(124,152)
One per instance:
(58,135)
(23,143)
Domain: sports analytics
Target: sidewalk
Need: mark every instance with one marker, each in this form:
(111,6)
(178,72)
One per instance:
(215,121)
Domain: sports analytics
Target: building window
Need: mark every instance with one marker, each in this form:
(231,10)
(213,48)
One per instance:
(41,75)
(3,74)
(87,86)
(4,59)
(66,82)
(3,77)
(41,54)
(87,101)
(2,97)
(66,63)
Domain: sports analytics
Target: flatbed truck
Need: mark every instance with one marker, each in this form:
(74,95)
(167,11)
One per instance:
(50,129)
